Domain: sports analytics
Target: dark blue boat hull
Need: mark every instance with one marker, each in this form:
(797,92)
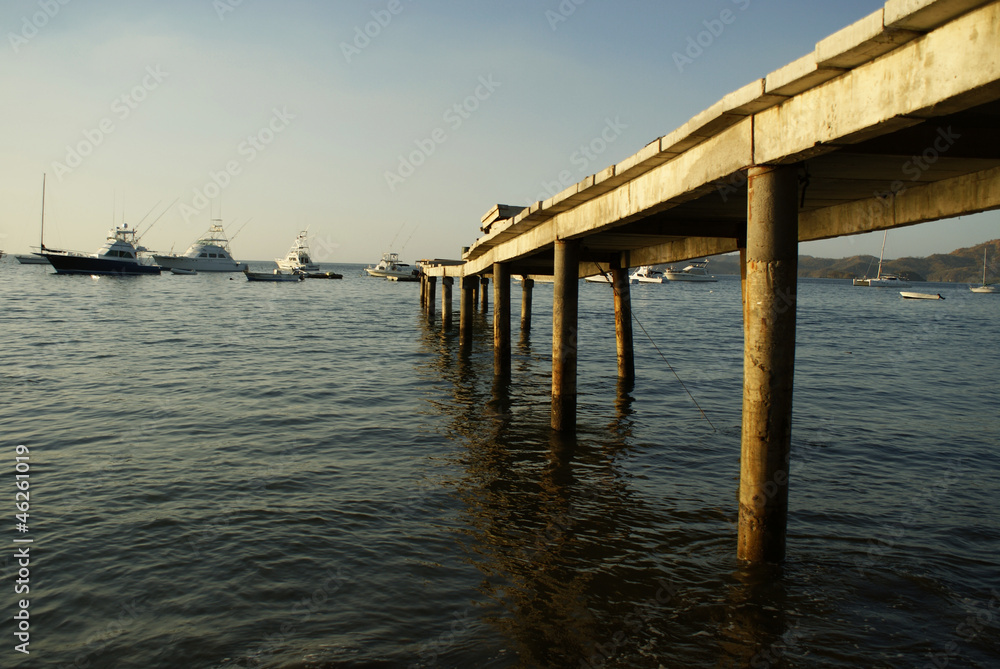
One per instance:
(68,264)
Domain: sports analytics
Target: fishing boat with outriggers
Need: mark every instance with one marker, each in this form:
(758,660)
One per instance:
(118,257)
(695,272)
(390,266)
(647,274)
(298,258)
(210,253)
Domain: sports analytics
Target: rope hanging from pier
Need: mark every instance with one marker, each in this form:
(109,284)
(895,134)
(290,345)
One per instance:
(657,349)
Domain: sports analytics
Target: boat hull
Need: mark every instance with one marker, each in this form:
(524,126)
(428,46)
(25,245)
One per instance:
(273,277)
(71,264)
(388,273)
(920,296)
(691,278)
(31,259)
(985,289)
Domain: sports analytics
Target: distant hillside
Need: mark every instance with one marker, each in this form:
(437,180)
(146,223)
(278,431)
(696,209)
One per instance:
(960,266)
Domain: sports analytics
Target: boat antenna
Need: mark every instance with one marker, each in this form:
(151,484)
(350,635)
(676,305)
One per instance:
(410,237)
(241,229)
(394,237)
(139,237)
(41,240)
(147,214)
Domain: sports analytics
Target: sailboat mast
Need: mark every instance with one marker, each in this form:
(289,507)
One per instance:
(984,267)
(41,240)
(880,254)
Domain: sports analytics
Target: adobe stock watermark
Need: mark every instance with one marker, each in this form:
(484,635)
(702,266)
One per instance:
(249,149)
(363,35)
(916,166)
(582,159)
(121,108)
(714,28)
(223,7)
(30,26)
(455,116)
(565,9)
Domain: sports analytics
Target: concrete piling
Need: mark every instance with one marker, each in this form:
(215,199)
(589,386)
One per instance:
(501,320)
(769,361)
(527,286)
(623,324)
(485,294)
(446,294)
(431,285)
(467,307)
(565,307)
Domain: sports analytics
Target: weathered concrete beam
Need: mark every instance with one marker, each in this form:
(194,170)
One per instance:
(967,194)
(860,42)
(914,80)
(926,15)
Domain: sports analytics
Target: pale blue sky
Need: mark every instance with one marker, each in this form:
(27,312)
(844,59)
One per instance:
(162,96)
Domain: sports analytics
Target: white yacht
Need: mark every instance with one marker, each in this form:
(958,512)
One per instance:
(389,266)
(647,274)
(605,277)
(298,258)
(696,271)
(211,253)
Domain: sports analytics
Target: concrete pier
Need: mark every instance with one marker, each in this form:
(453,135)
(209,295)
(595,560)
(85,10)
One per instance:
(915,84)
(565,308)
(485,294)
(769,361)
(501,320)
(623,324)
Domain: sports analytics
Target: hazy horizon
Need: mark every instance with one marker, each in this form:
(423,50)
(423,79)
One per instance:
(380,126)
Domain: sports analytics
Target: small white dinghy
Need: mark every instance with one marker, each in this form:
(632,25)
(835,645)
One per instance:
(921,296)
(183,272)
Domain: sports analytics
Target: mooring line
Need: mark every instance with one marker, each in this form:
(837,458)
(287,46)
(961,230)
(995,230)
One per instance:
(657,348)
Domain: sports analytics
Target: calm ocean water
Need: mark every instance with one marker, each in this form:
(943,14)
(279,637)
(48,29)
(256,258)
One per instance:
(226,474)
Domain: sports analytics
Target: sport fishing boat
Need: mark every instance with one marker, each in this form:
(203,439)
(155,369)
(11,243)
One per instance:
(119,255)
(389,266)
(298,258)
(211,253)
(646,274)
(696,271)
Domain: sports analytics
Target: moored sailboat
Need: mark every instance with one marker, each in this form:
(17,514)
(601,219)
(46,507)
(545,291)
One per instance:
(881,280)
(985,288)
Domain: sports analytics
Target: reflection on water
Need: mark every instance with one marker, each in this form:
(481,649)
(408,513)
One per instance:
(233,487)
(601,549)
